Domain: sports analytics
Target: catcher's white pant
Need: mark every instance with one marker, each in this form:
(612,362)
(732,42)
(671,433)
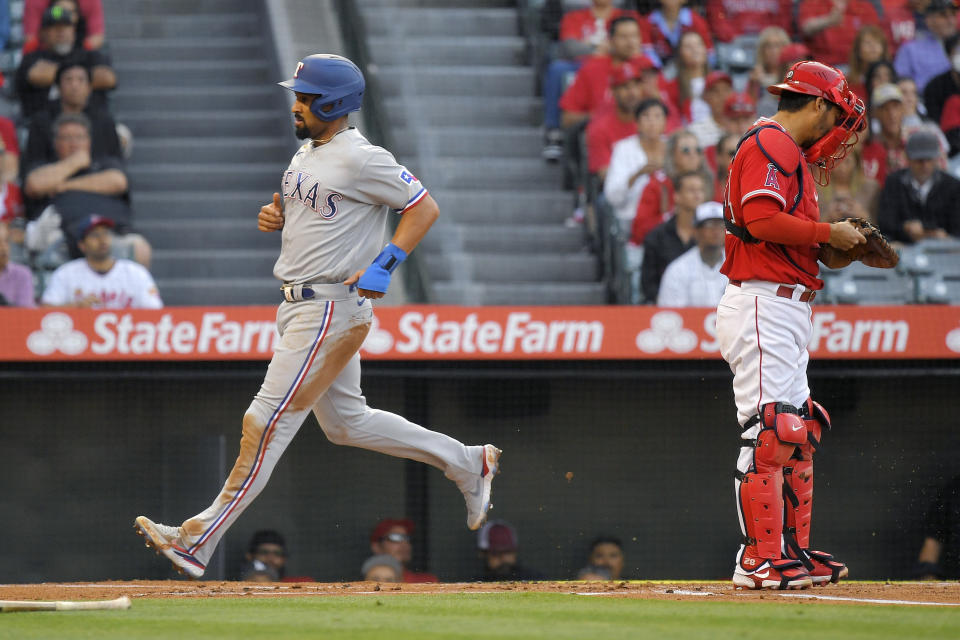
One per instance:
(316,367)
(764,339)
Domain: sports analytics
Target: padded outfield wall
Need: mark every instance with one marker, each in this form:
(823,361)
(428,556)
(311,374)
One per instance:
(642,448)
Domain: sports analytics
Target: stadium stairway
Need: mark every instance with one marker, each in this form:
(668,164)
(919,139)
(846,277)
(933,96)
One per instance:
(195,84)
(460,100)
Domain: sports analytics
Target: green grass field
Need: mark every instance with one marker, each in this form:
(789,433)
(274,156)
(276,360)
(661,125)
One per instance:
(482,616)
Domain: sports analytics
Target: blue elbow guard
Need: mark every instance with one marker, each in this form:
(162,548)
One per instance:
(377,275)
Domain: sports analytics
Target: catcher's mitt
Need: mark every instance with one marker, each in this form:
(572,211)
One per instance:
(875,252)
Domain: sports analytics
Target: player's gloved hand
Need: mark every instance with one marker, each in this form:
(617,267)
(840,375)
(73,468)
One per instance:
(376,278)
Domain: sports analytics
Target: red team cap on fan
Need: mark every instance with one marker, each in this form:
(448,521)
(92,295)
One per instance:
(632,69)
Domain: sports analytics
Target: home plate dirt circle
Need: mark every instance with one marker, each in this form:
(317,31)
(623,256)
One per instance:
(875,593)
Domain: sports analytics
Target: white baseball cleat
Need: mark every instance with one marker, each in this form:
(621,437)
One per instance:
(166,540)
(477,491)
(773,574)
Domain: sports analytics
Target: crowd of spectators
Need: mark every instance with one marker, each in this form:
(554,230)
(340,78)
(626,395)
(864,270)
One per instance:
(673,86)
(65,206)
(498,557)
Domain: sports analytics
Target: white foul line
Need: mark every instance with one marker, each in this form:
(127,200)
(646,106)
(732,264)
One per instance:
(869,600)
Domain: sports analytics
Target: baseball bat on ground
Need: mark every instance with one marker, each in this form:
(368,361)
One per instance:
(40,605)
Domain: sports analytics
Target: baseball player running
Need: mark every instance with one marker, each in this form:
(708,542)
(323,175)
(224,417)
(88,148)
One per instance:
(332,213)
(764,318)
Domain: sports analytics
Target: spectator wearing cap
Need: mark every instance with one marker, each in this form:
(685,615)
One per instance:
(830,26)
(739,113)
(590,90)
(729,19)
(78,184)
(382,567)
(707,114)
(693,279)
(38,69)
(942,87)
(16,281)
(634,158)
(391,536)
(670,22)
(88,18)
(98,280)
(498,548)
(885,151)
(671,239)
(920,201)
(611,126)
(75,91)
(925,57)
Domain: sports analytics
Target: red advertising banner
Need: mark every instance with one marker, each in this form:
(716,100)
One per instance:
(424,332)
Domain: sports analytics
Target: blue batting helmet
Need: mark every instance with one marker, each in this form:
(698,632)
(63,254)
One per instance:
(333,79)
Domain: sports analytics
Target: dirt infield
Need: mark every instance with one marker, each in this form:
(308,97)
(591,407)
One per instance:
(902,593)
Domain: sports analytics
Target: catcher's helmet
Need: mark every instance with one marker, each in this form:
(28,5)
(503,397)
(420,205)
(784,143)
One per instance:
(816,79)
(823,81)
(333,79)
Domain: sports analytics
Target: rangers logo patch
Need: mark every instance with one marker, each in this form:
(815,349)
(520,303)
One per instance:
(771,180)
(408,177)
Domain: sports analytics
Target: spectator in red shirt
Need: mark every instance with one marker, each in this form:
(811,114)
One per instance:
(901,19)
(829,26)
(731,18)
(608,127)
(583,33)
(739,114)
(670,22)
(88,18)
(591,88)
(686,90)
(656,200)
(869,46)
(939,90)
(886,151)
(391,536)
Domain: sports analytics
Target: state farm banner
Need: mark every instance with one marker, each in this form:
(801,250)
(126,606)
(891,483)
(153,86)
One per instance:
(424,332)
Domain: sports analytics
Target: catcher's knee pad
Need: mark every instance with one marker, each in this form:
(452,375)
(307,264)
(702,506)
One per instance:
(816,419)
(760,494)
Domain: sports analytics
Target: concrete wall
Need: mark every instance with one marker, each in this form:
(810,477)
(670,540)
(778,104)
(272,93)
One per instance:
(651,452)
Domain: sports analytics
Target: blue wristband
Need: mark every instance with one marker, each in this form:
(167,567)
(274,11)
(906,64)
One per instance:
(391,257)
(377,276)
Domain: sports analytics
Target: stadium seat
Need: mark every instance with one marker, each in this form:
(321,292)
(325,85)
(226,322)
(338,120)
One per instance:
(860,284)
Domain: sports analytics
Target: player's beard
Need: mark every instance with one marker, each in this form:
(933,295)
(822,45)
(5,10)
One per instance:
(301,130)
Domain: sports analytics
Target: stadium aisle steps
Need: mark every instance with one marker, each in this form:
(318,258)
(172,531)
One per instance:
(460,99)
(195,84)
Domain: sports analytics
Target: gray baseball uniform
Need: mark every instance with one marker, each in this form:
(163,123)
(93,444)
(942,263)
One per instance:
(337,197)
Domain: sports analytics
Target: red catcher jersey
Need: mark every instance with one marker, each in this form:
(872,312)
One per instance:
(754,174)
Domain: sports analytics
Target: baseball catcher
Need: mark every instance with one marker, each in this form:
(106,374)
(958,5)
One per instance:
(773,244)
